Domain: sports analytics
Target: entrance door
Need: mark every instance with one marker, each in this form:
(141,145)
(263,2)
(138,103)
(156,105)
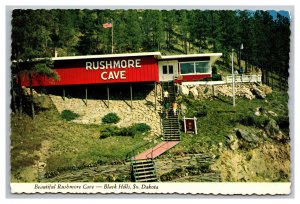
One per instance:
(168,70)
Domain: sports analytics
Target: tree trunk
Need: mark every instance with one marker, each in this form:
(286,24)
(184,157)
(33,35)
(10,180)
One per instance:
(13,94)
(20,95)
(31,96)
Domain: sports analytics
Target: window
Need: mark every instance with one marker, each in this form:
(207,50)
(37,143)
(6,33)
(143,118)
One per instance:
(168,69)
(187,68)
(194,67)
(165,69)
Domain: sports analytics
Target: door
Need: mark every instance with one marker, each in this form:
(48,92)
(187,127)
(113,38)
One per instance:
(168,70)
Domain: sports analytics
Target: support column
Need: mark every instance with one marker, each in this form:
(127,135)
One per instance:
(131,95)
(107,89)
(86,95)
(155,94)
(64,93)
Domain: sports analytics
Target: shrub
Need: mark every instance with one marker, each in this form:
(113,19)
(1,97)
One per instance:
(111,118)
(109,131)
(69,115)
(140,127)
(129,131)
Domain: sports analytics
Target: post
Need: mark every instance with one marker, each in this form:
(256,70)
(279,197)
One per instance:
(112,37)
(184,124)
(64,93)
(86,95)
(131,95)
(195,124)
(155,94)
(107,89)
(233,91)
(213,90)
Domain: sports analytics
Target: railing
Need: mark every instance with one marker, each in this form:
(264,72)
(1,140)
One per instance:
(243,78)
(132,153)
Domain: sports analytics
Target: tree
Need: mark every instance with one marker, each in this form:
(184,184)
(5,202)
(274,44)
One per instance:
(30,43)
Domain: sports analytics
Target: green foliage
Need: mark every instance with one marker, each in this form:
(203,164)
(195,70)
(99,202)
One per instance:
(133,130)
(68,115)
(141,127)
(111,118)
(109,131)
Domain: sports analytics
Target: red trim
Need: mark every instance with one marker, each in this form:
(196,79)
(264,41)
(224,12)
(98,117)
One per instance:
(195,77)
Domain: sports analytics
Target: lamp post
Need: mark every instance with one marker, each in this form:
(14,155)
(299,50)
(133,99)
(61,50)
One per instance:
(241,48)
(233,79)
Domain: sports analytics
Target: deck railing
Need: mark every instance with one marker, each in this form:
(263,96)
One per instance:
(243,78)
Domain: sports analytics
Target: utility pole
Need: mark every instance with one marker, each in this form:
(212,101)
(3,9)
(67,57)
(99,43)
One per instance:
(233,79)
(112,37)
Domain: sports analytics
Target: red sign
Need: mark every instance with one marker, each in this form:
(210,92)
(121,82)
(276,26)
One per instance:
(99,71)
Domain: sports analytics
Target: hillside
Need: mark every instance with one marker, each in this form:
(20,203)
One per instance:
(248,143)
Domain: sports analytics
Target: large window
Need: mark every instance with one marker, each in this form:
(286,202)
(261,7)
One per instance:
(194,67)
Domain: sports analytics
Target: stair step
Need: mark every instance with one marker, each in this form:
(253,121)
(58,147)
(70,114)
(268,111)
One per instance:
(144,174)
(144,169)
(147,180)
(142,165)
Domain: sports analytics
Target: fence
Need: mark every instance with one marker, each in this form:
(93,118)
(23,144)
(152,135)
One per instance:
(243,78)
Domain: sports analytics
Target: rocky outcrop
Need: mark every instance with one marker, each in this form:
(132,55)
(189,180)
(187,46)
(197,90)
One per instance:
(258,92)
(183,90)
(246,90)
(194,92)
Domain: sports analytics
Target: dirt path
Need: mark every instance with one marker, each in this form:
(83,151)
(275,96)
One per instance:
(42,162)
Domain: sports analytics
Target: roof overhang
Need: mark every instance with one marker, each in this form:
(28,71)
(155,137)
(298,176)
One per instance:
(155,54)
(213,56)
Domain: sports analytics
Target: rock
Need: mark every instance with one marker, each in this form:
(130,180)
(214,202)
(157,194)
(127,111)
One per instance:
(272,113)
(194,92)
(183,90)
(272,129)
(248,137)
(258,93)
(183,109)
(234,145)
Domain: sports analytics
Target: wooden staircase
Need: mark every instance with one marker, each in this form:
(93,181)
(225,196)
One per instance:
(144,170)
(170,124)
(143,166)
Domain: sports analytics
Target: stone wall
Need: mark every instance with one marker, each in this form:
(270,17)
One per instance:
(143,110)
(247,90)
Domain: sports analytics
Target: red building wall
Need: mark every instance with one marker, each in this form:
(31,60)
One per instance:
(75,72)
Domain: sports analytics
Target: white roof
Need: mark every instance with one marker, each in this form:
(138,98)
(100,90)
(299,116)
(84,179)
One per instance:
(213,56)
(157,54)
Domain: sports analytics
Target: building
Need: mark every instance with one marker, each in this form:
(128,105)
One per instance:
(127,68)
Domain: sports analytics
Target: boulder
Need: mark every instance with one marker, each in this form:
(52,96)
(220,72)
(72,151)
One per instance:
(194,92)
(272,129)
(247,136)
(183,109)
(183,90)
(258,92)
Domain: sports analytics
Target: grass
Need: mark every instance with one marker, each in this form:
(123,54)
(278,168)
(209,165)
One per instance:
(221,118)
(76,146)
(72,145)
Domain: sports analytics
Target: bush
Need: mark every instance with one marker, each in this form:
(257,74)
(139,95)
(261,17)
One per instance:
(125,131)
(129,131)
(140,127)
(109,131)
(111,118)
(69,115)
